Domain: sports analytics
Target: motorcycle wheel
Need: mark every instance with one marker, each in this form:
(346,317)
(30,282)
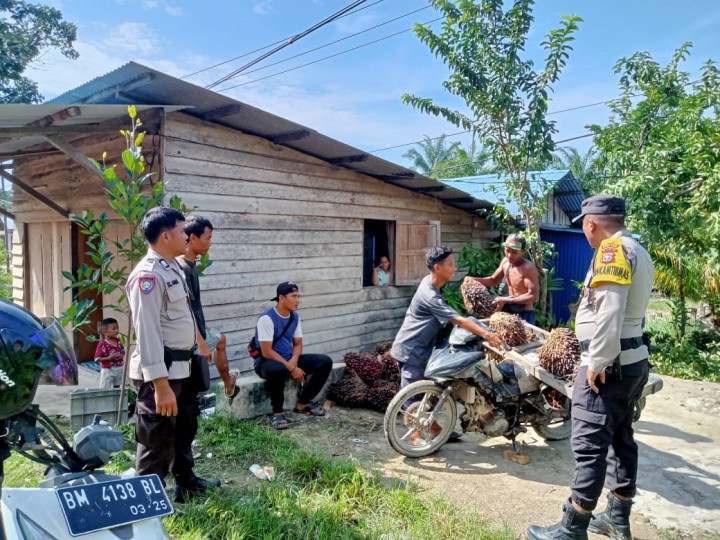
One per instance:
(559,426)
(405,426)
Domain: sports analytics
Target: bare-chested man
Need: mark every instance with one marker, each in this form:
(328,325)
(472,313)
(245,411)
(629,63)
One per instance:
(519,277)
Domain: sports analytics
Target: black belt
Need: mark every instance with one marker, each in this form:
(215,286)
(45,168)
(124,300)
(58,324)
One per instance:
(176,355)
(626,344)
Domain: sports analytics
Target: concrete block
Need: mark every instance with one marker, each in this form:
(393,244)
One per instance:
(253,400)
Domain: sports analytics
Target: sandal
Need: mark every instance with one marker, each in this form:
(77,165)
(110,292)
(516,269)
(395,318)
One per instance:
(311,409)
(279,422)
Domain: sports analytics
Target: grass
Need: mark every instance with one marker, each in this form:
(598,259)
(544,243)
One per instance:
(313,497)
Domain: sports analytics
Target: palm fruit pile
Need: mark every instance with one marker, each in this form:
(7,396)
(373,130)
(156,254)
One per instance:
(511,329)
(370,380)
(380,394)
(366,366)
(560,354)
(381,349)
(348,391)
(477,299)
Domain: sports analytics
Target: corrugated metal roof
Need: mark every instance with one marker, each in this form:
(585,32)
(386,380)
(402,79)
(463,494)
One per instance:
(13,116)
(567,189)
(138,84)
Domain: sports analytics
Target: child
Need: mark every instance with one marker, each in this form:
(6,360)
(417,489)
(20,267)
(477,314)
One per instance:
(110,354)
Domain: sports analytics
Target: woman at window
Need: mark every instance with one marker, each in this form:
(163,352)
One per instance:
(381,274)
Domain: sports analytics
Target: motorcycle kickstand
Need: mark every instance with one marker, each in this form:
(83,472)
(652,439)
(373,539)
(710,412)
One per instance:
(514,445)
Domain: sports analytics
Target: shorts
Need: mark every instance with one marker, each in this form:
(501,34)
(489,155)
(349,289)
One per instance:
(111,377)
(212,338)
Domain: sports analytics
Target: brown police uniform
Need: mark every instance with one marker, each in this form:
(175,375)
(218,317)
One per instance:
(609,326)
(164,329)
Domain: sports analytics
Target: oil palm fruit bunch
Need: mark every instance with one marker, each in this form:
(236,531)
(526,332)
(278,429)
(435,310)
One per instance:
(349,390)
(380,395)
(560,354)
(511,329)
(382,348)
(366,366)
(478,300)
(390,369)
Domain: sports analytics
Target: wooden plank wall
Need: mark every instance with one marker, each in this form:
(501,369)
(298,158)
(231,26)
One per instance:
(282,215)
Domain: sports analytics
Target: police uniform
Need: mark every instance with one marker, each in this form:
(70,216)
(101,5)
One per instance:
(609,327)
(164,329)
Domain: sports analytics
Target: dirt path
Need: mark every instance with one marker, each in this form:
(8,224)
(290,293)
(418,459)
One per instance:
(679,478)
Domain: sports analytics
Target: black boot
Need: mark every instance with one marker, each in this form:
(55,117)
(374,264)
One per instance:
(614,521)
(194,486)
(573,526)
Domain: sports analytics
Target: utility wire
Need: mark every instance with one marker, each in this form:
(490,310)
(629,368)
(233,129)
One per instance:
(289,42)
(283,40)
(326,57)
(336,41)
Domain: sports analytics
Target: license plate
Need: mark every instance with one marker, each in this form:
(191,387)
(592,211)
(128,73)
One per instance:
(94,507)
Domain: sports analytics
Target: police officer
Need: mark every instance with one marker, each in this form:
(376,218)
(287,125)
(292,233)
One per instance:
(166,406)
(613,371)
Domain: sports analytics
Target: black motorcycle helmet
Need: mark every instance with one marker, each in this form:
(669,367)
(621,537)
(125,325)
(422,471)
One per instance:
(32,351)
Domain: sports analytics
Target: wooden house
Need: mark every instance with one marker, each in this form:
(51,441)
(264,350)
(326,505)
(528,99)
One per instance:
(286,202)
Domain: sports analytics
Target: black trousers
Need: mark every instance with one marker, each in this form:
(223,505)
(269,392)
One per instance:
(165,441)
(317,369)
(602,434)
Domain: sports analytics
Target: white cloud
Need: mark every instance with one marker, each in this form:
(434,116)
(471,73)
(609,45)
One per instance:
(173,11)
(263,8)
(132,38)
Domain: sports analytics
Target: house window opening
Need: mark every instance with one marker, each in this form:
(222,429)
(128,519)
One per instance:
(378,241)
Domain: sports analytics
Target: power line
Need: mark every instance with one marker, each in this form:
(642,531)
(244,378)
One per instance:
(337,41)
(283,40)
(289,42)
(324,58)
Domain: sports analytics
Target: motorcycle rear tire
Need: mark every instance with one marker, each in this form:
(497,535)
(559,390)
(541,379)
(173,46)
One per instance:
(559,430)
(398,423)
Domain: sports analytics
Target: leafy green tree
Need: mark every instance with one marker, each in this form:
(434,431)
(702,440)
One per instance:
(26,32)
(432,152)
(582,166)
(485,45)
(662,147)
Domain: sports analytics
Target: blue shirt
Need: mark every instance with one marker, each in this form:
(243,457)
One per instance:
(284,345)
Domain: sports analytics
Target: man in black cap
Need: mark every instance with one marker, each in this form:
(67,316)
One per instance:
(613,371)
(279,335)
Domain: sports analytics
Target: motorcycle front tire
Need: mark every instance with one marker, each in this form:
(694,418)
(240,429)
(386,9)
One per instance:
(402,423)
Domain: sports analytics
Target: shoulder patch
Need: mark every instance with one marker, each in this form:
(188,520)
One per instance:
(164,263)
(146,284)
(611,265)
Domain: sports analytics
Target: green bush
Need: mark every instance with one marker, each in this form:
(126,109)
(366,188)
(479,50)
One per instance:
(695,356)
(5,276)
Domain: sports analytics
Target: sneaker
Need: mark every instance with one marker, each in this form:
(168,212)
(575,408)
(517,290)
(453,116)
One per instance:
(196,486)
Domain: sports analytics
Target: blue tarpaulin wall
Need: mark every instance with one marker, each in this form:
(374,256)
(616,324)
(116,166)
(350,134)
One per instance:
(571,264)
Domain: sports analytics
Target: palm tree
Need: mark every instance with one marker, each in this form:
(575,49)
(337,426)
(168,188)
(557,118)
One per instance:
(472,161)
(432,152)
(582,167)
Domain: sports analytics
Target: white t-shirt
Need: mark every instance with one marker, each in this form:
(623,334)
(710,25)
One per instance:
(266,328)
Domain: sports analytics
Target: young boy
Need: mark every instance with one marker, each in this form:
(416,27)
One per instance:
(110,354)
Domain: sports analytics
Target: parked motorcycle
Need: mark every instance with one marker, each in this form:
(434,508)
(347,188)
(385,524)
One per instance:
(76,497)
(495,399)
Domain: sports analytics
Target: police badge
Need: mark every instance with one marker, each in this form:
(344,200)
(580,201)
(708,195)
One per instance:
(146,284)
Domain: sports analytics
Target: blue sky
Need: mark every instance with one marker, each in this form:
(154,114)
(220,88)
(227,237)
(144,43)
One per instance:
(355,97)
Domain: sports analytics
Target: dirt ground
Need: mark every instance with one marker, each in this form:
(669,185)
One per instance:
(679,477)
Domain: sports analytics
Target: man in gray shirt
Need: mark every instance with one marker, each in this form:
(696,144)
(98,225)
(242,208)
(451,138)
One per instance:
(427,313)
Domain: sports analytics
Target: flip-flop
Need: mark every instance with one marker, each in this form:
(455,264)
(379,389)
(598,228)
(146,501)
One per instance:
(311,409)
(279,422)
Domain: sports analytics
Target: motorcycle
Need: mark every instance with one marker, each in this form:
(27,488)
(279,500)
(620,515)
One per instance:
(497,399)
(77,497)
(500,393)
